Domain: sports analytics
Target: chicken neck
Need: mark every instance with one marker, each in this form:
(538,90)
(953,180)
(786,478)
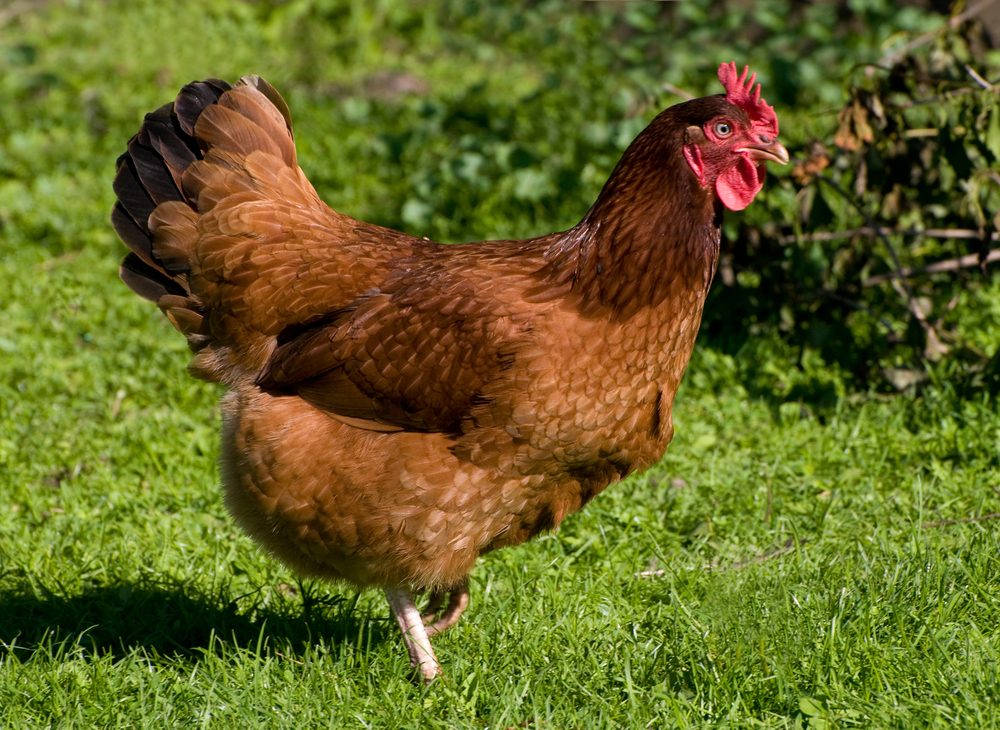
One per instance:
(652,234)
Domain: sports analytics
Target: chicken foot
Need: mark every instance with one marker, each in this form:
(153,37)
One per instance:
(418,643)
(437,620)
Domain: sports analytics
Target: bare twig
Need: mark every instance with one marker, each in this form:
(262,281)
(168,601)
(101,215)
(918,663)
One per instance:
(962,262)
(962,233)
(961,520)
(657,573)
(677,91)
(968,261)
(970,12)
(977,78)
(946,96)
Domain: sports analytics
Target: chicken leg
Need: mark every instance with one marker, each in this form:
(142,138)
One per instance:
(417,628)
(418,644)
(435,619)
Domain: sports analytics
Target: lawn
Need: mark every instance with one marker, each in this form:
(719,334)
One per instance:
(822,561)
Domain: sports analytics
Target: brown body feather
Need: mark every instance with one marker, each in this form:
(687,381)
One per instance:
(397,407)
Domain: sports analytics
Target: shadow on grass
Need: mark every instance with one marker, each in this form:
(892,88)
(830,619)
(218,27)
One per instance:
(120,619)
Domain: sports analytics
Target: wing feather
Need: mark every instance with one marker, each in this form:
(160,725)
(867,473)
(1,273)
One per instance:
(394,359)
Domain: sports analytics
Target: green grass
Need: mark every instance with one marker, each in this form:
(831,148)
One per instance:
(127,595)
(823,563)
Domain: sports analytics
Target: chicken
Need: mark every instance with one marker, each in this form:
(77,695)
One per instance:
(395,408)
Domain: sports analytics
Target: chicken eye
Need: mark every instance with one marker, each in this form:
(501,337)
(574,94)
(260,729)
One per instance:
(723,129)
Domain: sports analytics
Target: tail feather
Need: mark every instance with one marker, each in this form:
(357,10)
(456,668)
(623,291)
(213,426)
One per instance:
(147,165)
(193,99)
(132,195)
(154,216)
(174,227)
(160,152)
(272,95)
(134,235)
(220,220)
(148,282)
(227,127)
(161,131)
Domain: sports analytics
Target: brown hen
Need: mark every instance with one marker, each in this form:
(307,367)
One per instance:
(396,407)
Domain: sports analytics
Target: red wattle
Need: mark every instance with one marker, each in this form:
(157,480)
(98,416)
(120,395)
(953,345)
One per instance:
(737,186)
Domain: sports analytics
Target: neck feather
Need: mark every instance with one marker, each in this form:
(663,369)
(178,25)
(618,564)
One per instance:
(652,235)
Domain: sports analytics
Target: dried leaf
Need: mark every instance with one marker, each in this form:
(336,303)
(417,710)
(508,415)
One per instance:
(854,131)
(818,160)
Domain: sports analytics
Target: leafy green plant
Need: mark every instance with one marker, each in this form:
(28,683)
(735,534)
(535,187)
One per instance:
(890,219)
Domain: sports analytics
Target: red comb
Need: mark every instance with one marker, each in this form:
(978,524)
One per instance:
(740,91)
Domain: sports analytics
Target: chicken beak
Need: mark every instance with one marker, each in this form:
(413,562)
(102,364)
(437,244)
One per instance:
(773,152)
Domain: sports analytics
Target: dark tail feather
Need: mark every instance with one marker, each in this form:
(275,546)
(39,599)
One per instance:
(132,195)
(149,174)
(147,282)
(193,98)
(149,166)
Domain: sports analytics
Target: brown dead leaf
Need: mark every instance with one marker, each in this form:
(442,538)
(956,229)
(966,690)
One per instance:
(854,131)
(818,160)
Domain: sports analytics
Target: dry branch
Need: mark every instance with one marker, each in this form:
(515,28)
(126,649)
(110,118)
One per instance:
(968,261)
(875,232)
